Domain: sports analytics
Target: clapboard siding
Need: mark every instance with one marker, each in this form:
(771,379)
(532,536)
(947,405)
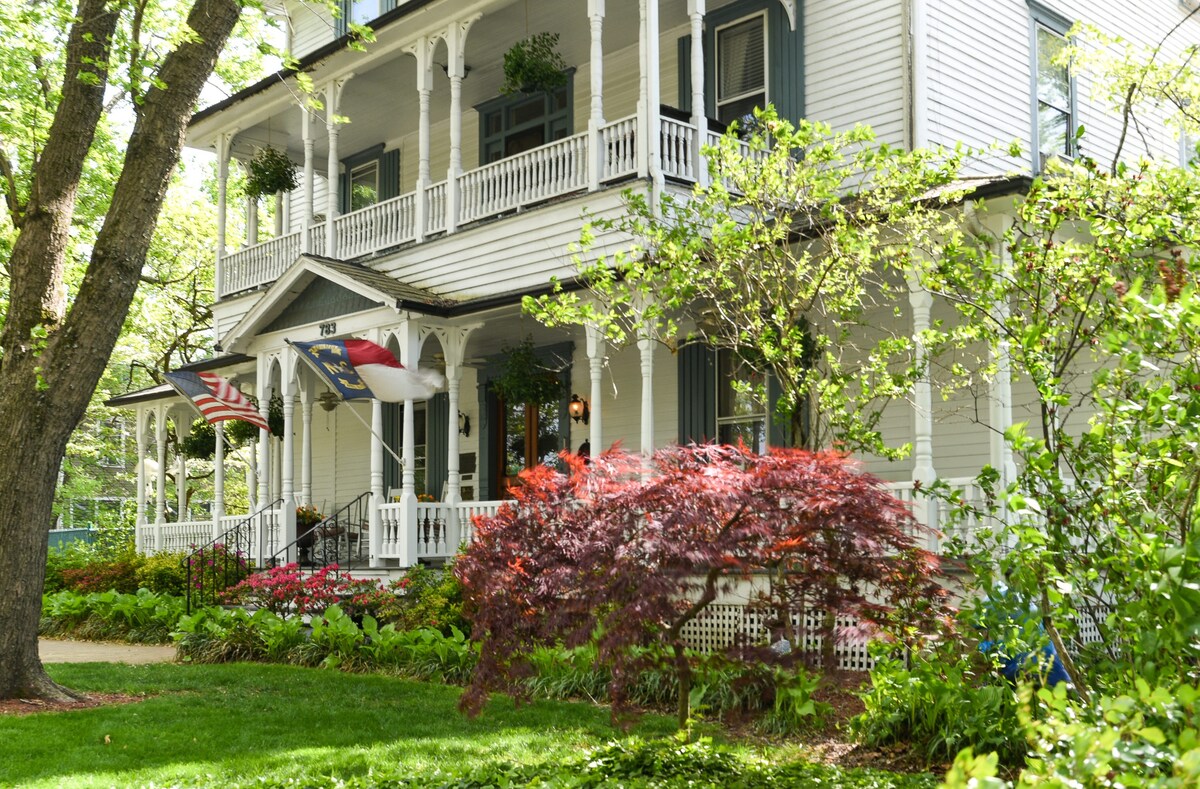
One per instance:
(854,65)
(312,27)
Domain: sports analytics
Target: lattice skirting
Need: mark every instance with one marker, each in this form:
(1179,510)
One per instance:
(719,627)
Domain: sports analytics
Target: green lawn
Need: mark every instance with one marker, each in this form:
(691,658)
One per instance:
(218,724)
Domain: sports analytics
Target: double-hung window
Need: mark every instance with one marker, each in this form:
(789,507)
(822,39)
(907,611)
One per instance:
(1054,120)
(741,67)
(364,185)
(741,403)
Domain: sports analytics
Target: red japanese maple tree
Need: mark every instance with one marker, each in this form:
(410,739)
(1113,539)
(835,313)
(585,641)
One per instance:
(610,552)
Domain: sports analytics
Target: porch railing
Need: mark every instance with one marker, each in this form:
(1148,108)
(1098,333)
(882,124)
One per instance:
(341,539)
(260,264)
(678,149)
(618,144)
(530,177)
(965,488)
(435,215)
(376,227)
(440,528)
(228,559)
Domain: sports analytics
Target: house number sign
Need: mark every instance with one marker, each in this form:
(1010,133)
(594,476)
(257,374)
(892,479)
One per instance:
(328,329)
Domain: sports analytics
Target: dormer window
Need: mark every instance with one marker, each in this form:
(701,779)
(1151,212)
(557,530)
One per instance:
(741,67)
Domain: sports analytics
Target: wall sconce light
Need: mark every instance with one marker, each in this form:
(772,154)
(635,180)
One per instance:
(464,424)
(578,409)
(328,400)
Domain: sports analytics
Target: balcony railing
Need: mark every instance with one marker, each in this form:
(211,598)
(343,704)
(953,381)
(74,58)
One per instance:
(549,171)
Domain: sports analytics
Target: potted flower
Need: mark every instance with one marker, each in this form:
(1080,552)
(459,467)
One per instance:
(271,172)
(533,64)
(308,515)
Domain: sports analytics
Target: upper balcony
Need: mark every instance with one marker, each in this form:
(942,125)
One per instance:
(414,140)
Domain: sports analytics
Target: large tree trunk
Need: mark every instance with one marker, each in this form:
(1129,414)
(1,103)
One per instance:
(50,364)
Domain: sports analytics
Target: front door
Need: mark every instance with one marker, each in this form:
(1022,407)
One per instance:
(530,434)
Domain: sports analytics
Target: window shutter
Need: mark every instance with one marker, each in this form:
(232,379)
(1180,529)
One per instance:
(437,446)
(697,393)
(340,25)
(343,193)
(389,174)
(684,65)
(785,72)
(779,431)
(393,428)
(486,464)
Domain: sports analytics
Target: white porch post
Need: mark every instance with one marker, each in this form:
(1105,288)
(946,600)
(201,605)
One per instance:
(456,42)
(282,203)
(306,414)
(288,462)
(646,350)
(252,477)
(454,345)
(160,492)
(310,175)
(264,438)
(376,530)
(422,50)
(333,97)
(649,140)
(218,479)
(696,12)
(1000,415)
(596,75)
(924,509)
(596,350)
(224,148)
(251,221)
(140,513)
(410,350)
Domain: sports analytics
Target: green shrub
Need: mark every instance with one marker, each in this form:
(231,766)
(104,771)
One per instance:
(940,706)
(108,545)
(144,617)
(426,598)
(118,576)
(163,573)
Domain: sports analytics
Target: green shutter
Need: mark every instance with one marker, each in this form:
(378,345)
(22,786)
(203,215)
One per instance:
(785,50)
(389,174)
(684,66)
(485,464)
(343,193)
(697,394)
(340,25)
(393,429)
(437,446)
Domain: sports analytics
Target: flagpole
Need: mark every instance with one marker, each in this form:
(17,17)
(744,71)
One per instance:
(357,416)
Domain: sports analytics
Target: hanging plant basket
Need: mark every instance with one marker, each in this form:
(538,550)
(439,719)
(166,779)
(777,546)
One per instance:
(533,64)
(524,378)
(271,172)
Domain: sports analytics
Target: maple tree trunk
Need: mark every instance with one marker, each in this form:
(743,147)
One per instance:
(52,359)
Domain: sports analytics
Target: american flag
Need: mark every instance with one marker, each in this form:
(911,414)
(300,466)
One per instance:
(215,398)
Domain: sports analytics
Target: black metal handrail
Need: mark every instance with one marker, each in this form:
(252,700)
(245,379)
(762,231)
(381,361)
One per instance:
(228,559)
(342,539)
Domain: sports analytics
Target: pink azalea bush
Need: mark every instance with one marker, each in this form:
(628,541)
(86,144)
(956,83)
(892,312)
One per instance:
(285,590)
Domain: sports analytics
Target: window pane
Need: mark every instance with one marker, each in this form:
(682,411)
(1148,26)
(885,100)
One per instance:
(549,432)
(1053,131)
(514,439)
(752,434)
(1053,80)
(735,110)
(741,59)
(730,401)
(527,112)
(364,185)
(493,123)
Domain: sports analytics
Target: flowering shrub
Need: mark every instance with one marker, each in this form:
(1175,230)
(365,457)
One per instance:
(284,589)
(119,575)
(214,569)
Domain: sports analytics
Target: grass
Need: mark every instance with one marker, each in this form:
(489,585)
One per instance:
(222,724)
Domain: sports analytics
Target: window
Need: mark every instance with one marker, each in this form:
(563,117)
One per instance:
(514,124)
(741,67)
(364,185)
(531,434)
(741,403)
(1053,89)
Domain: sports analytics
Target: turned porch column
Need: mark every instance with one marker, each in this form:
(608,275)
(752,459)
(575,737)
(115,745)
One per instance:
(287,484)
(160,492)
(696,9)
(224,150)
(649,139)
(333,98)
(310,175)
(218,510)
(596,351)
(408,337)
(596,78)
(306,415)
(456,42)
(646,351)
(422,50)
(139,517)
(924,508)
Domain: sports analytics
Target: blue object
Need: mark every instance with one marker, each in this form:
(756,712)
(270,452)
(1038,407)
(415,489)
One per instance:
(1025,662)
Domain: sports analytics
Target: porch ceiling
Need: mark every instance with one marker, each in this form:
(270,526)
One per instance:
(268,114)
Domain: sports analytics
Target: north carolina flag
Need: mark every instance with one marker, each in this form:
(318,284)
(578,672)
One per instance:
(362,370)
(215,398)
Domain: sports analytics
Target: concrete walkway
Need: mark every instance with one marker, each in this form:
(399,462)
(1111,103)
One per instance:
(55,651)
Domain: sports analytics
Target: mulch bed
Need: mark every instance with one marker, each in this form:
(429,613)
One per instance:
(89,700)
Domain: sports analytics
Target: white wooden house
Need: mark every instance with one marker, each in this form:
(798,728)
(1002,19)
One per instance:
(421,222)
